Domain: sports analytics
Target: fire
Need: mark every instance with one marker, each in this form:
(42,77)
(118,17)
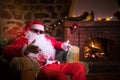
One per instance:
(93,50)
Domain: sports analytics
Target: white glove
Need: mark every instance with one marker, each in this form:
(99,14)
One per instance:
(66,46)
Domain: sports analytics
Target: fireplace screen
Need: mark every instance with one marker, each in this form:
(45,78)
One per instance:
(97,48)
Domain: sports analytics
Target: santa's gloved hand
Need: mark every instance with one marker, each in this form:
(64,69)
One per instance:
(31,48)
(66,46)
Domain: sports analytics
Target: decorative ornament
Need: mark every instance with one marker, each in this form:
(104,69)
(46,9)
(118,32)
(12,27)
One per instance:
(74,27)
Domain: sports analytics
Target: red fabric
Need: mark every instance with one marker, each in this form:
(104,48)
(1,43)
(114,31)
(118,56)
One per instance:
(14,49)
(75,70)
(55,43)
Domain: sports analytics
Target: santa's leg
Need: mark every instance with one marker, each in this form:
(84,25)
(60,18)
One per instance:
(75,70)
(51,72)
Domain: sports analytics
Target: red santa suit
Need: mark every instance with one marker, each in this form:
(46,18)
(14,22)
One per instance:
(50,68)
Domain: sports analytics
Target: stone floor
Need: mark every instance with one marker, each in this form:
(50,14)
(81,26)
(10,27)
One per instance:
(103,76)
(104,71)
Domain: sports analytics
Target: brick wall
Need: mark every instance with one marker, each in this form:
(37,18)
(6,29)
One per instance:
(90,30)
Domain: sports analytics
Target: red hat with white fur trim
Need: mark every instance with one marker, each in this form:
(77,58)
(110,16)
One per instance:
(35,24)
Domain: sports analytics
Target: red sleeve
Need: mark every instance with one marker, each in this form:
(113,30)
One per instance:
(14,49)
(57,44)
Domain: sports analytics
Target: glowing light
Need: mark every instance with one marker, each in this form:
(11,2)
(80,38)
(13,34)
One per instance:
(107,18)
(92,44)
(93,56)
(89,17)
(99,19)
(54,24)
(65,16)
(62,20)
(58,22)
(102,53)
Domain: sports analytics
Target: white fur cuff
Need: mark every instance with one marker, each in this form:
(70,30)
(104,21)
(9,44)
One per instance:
(23,49)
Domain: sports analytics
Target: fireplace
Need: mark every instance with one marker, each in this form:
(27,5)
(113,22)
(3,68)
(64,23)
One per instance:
(98,49)
(99,43)
(97,40)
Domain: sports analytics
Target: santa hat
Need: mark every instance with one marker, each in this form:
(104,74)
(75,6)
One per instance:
(35,24)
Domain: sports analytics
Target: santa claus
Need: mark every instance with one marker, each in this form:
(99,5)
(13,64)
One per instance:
(34,52)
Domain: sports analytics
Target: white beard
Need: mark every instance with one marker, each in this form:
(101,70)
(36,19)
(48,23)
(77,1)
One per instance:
(47,50)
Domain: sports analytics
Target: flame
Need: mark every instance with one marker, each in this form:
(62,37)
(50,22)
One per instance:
(92,44)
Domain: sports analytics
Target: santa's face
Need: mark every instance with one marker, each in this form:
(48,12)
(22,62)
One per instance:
(33,34)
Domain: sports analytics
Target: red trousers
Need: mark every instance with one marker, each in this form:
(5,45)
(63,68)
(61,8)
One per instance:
(59,71)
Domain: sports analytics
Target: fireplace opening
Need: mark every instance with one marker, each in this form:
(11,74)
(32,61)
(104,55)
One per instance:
(98,49)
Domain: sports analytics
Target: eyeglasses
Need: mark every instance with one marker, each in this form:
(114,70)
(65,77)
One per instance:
(37,31)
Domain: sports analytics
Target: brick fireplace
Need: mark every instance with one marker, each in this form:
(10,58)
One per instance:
(103,34)
(101,37)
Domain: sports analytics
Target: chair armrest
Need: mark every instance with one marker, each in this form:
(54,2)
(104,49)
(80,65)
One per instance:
(72,55)
(86,66)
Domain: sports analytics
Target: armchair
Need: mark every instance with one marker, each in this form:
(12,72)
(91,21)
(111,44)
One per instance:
(71,55)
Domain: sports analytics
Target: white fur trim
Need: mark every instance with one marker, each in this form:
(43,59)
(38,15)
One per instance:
(23,49)
(38,26)
(47,49)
